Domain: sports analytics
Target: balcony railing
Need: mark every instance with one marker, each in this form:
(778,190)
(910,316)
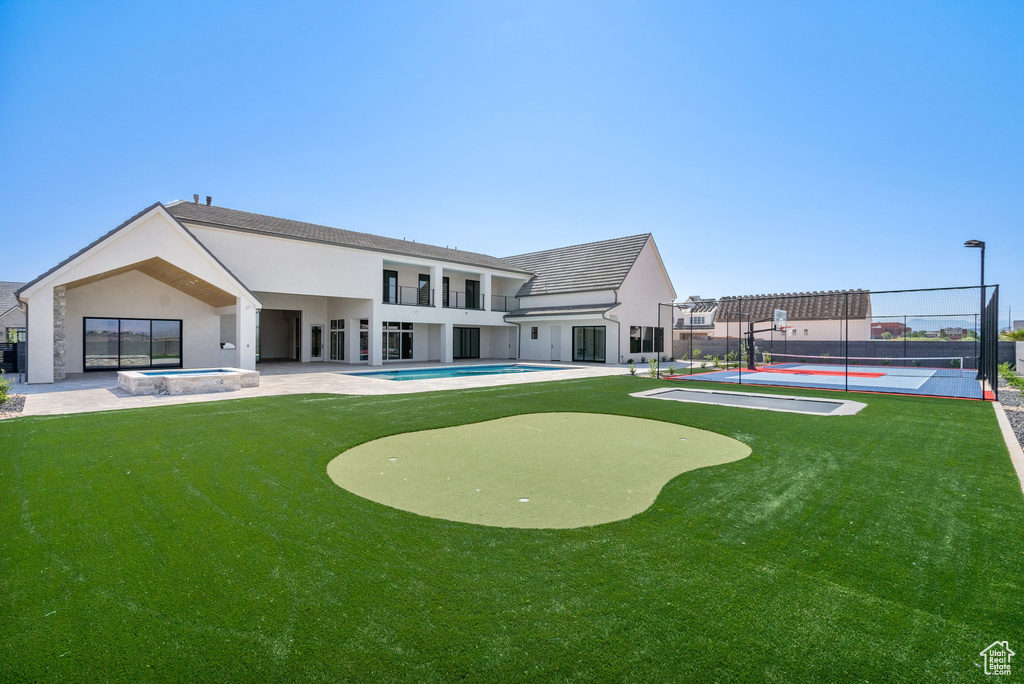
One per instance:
(409,296)
(459,300)
(503,303)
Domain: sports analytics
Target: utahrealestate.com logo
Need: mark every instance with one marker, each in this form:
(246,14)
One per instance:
(997,658)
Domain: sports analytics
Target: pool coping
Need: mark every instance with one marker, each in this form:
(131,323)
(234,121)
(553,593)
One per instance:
(186,381)
(846,407)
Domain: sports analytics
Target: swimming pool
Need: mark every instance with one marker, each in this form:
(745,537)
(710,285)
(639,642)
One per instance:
(454,371)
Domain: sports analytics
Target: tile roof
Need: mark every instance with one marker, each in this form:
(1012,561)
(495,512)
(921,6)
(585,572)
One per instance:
(299,230)
(593,266)
(799,306)
(8,300)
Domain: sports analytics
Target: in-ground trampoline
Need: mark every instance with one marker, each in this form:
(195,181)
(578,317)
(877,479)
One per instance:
(763,402)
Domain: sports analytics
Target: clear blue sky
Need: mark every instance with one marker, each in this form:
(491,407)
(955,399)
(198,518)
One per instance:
(768,146)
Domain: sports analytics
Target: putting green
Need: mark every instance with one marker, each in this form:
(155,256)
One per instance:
(541,470)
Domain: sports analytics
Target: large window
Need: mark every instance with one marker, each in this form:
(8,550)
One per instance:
(635,336)
(390,287)
(396,340)
(364,339)
(423,297)
(338,339)
(588,343)
(473,294)
(465,343)
(131,343)
(646,340)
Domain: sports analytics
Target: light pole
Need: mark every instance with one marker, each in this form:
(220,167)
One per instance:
(981,312)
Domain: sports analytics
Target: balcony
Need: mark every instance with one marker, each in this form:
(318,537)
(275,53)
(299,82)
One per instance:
(503,303)
(409,296)
(460,300)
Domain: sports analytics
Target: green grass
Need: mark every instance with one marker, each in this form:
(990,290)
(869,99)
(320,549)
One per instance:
(207,541)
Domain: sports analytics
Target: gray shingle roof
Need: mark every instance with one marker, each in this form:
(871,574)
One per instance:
(799,306)
(594,266)
(8,300)
(312,232)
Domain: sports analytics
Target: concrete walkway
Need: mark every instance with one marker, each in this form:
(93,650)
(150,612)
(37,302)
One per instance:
(86,392)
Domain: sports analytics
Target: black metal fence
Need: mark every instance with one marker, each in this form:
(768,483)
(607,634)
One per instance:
(12,357)
(936,342)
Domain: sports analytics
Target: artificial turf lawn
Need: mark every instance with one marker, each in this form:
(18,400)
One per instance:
(207,541)
(539,470)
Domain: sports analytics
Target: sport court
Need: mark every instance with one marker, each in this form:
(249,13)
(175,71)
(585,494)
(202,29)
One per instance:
(862,375)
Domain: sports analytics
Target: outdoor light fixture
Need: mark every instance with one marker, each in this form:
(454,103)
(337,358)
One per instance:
(981,312)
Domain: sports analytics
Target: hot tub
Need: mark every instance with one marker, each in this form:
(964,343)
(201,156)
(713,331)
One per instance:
(187,381)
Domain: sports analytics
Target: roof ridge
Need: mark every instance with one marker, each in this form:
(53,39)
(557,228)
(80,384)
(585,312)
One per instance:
(582,244)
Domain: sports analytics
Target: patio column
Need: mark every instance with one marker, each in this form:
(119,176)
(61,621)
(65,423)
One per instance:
(40,336)
(245,334)
(60,310)
(446,342)
(436,282)
(485,288)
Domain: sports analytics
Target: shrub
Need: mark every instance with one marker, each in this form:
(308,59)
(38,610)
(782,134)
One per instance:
(671,370)
(1011,378)
(696,354)
(767,358)
(653,363)
(5,387)
(632,368)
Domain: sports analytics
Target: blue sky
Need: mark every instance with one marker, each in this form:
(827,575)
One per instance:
(768,146)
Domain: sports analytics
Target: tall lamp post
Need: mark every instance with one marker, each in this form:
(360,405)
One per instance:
(981,312)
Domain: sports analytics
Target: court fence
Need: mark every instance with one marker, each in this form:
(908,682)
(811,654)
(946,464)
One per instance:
(936,342)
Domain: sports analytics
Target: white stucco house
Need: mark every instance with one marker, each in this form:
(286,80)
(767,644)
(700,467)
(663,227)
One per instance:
(191,285)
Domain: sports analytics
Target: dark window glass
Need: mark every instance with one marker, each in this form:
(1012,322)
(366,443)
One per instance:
(588,343)
(466,343)
(364,339)
(166,343)
(101,343)
(659,340)
(390,287)
(444,291)
(424,290)
(135,336)
(648,340)
(634,339)
(533,333)
(473,294)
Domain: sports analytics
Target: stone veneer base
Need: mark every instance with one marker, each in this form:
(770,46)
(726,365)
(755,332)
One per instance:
(227,380)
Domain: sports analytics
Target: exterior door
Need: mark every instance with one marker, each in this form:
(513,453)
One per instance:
(513,340)
(316,343)
(556,343)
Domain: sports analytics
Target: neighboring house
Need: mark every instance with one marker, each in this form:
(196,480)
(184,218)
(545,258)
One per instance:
(593,302)
(191,285)
(695,318)
(12,318)
(832,315)
(879,328)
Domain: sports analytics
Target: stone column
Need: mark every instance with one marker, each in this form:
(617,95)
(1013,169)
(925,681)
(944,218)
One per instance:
(59,341)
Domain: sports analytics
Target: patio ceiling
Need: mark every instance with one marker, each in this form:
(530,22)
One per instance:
(169,274)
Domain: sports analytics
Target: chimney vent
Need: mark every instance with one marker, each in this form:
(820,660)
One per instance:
(195,198)
(209,200)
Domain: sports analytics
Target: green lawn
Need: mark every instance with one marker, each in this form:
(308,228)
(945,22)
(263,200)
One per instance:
(208,542)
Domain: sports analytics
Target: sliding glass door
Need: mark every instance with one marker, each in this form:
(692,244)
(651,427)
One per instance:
(465,343)
(588,343)
(131,343)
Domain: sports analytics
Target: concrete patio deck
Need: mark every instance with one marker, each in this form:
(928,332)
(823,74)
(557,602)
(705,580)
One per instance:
(87,392)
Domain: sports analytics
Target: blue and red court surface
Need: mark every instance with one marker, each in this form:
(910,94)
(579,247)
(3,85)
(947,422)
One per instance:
(933,382)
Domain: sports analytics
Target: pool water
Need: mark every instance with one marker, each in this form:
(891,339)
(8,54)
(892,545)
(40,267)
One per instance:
(453,371)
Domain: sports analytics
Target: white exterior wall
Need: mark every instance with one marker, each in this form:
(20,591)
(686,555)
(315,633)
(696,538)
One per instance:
(646,286)
(569,299)
(155,234)
(134,295)
(542,348)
